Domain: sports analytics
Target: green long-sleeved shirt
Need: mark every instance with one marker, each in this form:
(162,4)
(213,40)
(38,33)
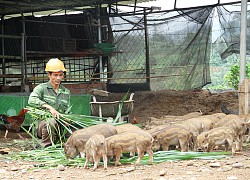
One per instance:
(45,94)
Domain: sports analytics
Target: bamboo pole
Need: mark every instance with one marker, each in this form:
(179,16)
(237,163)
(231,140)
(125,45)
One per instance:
(92,78)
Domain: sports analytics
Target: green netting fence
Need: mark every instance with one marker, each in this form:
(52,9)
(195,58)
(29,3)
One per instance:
(11,104)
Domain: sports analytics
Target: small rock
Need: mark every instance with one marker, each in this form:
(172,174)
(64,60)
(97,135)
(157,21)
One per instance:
(190,163)
(211,161)
(60,167)
(231,177)
(23,170)
(238,165)
(130,169)
(14,169)
(162,173)
(226,168)
(216,164)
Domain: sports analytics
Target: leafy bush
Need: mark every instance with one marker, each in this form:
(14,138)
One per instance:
(233,76)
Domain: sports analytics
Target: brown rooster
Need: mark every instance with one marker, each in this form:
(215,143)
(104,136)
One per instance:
(13,122)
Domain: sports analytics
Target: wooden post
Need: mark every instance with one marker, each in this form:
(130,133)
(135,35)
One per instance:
(244,88)
(3,51)
(147,48)
(243,34)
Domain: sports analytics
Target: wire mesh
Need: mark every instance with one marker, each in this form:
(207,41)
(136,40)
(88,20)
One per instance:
(183,45)
(129,65)
(179,49)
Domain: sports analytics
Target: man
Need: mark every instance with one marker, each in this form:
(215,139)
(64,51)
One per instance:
(52,96)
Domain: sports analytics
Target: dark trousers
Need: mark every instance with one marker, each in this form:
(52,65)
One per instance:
(47,131)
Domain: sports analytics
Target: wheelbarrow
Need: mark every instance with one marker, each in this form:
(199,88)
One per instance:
(111,109)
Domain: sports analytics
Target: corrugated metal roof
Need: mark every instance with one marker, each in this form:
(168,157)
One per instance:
(9,7)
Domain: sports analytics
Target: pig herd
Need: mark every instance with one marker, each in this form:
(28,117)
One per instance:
(203,133)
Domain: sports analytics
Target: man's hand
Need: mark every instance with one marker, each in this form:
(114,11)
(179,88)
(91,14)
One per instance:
(54,112)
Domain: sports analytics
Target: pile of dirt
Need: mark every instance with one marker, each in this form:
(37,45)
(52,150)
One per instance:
(178,103)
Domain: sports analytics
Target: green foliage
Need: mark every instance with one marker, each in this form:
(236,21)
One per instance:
(54,155)
(68,123)
(233,76)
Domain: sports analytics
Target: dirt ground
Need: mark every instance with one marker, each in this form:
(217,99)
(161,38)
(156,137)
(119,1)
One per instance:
(146,105)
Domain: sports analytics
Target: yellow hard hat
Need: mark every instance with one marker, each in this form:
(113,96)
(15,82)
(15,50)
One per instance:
(54,65)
